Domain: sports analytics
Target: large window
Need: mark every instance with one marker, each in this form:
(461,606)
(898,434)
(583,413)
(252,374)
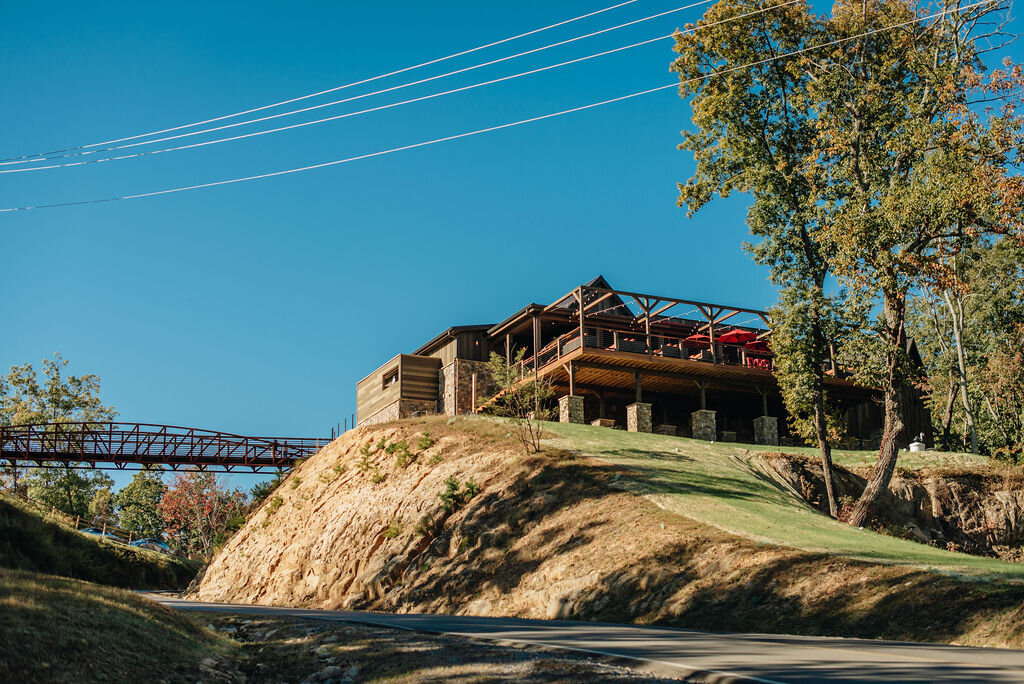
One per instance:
(390,378)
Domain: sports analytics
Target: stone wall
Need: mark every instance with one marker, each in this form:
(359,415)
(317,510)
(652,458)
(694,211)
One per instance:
(456,386)
(401,408)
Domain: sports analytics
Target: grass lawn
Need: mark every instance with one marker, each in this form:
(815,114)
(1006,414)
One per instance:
(723,485)
(64,630)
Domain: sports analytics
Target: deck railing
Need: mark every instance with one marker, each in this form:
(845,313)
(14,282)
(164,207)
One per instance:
(636,343)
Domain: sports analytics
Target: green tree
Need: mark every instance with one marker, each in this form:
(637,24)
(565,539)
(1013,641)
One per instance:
(261,490)
(53,399)
(101,507)
(138,504)
(867,143)
(916,174)
(67,489)
(756,134)
(521,398)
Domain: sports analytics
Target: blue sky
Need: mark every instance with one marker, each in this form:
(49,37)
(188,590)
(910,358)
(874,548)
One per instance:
(255,308)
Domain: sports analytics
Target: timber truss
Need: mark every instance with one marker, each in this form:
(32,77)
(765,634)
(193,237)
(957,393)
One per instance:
(145,445)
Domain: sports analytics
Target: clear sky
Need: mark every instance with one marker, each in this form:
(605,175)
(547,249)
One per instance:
(254,308)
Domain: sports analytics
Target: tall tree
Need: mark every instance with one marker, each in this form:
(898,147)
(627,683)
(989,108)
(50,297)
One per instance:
(757,134)
(919,174)
(55,398)
(138,504)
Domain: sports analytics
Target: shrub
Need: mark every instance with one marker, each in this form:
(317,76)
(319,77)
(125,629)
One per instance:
(453,497)
(394,529)
(377,476)
(425,441)
(296,481)
(272,507)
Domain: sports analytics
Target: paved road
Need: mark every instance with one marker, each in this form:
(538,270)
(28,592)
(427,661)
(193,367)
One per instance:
(684,653)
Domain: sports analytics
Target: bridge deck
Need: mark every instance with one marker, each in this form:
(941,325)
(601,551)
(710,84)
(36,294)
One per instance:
(148,445)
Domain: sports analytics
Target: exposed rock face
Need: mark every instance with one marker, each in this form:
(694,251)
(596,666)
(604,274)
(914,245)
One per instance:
(366,525)
(972,512)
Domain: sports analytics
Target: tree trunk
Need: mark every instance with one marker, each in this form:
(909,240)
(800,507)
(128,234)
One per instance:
(826,452)
(947,416)
(957,317)
(893,311)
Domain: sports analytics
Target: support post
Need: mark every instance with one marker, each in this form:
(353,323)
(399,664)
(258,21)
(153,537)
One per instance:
(572,378)
(703,395)
(570,409)
(639,386)
(638,417)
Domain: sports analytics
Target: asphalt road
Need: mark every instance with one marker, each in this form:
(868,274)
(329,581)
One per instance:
(706,655)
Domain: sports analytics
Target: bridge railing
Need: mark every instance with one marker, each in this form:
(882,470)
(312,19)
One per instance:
(149,444)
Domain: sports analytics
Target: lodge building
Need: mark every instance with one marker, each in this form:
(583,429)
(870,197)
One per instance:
(623,359)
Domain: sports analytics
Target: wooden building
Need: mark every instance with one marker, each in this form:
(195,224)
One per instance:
(624,359)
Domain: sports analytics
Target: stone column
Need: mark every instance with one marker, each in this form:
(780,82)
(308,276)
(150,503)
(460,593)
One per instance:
(703,425)
(570,409)
(766,430)
(638,417)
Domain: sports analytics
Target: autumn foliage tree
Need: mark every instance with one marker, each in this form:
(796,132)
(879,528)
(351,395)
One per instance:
(199,512)
(878,143)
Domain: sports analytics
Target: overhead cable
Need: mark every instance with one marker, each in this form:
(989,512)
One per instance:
(393,104)
(335,89)
(365,95)
(512,124)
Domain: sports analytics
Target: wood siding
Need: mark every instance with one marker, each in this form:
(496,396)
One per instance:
(417,379)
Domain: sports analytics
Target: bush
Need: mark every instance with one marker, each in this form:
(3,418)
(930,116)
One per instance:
(453,497)
(393,530)
(425,441)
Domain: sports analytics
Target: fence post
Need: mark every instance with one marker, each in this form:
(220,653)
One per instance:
(76,521)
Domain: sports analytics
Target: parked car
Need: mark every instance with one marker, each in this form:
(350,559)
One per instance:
(152,545)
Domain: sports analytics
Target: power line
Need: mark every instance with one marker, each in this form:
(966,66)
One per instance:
(521,122)
(361,96)
(394,104)
(335,89)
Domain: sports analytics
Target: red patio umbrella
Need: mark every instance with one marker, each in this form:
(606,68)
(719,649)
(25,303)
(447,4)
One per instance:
(698,341)
(736,336)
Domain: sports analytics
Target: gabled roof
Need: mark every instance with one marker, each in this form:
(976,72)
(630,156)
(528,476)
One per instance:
(612,306)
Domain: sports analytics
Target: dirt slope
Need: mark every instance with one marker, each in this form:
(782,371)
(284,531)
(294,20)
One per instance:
(556,536)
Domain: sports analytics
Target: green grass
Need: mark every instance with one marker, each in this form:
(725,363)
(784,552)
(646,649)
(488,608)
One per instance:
(30,542)
(723,485)
(63,630)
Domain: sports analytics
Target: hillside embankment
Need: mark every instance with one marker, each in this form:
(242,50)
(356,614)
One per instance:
(977,510)
(30,541)
(448,516)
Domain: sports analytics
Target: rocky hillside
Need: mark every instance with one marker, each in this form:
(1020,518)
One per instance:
(447,516)
(977,510)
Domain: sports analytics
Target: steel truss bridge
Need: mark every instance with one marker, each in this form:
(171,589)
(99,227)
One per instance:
(144,445)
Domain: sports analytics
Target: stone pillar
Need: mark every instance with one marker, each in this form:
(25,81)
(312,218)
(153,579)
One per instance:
(766,430)
(570,409)
(638,417)
(703,425)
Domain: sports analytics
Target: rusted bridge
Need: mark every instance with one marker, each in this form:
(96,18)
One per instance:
(146,445)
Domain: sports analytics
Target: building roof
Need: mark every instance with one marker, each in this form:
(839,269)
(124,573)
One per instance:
(448,334)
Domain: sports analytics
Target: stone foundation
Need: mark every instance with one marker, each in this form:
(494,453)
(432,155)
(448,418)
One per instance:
(669,430)
(766,430)
(638,417)
(727,436)
(603,422)
(703,425)
(456,390)
(403,408)
(570,409)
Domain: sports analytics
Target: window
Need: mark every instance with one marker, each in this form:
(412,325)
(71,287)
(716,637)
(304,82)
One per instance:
(390,378)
